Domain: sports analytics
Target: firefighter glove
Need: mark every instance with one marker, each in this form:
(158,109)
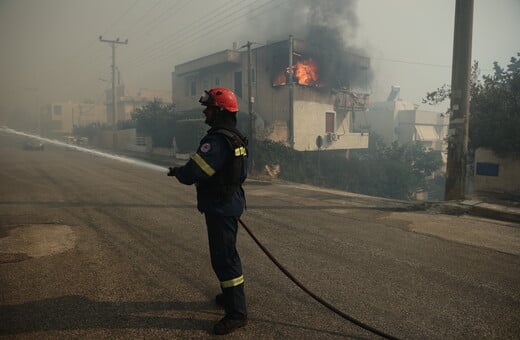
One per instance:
(172,171)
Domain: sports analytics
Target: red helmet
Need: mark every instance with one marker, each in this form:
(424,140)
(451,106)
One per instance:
(220,97)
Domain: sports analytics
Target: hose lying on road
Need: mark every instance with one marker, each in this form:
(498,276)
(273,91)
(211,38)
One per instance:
(314,296)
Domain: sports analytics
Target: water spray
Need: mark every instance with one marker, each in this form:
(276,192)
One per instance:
(91,151)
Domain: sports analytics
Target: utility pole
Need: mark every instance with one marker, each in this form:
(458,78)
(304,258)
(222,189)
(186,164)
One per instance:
(459,103)
(250,105)
(290,82)
(250,102)
(114,102)
(38,111)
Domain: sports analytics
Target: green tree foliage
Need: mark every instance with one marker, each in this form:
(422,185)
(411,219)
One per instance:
(494,120)
(156,119)
(188,133)
(88,131)
(396,171)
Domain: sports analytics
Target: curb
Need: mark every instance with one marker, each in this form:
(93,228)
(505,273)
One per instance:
(495,212)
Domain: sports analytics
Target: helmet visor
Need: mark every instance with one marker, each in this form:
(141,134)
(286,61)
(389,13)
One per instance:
(207,99)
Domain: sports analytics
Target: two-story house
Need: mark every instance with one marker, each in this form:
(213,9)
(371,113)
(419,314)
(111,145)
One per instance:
(60,118)
(127,101)
(295,96)
(397,120)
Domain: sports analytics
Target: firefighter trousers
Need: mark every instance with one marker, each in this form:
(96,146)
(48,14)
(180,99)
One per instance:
(222,236)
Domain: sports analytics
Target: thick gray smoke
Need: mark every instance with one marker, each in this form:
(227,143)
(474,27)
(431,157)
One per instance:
(329,25)
(331,28)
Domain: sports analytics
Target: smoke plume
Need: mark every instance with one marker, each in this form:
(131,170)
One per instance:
(330,26)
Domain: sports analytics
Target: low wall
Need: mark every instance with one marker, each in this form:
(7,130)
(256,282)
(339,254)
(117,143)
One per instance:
(496,174)
(126,140)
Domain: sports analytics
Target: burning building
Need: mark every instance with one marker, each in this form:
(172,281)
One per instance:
(301,94)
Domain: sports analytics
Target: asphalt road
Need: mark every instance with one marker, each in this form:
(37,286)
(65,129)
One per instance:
(95,248)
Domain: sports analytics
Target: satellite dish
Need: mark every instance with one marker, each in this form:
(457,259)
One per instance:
(319,142)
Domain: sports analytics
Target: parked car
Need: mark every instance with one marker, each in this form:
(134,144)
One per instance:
(33,145)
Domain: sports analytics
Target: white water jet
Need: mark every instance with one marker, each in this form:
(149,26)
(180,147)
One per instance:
(94,152)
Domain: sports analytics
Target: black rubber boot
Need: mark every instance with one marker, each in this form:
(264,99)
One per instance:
(235,302)
(219,300)
(227,325)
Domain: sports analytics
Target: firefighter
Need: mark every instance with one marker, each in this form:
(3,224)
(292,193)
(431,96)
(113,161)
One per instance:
(218,169)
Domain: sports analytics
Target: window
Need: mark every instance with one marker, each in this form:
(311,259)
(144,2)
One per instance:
(487,169)
(186,87)
(193,87)
(57,110)
(205,84)
(238,83)
(217,81)
(190,88)
(329,122)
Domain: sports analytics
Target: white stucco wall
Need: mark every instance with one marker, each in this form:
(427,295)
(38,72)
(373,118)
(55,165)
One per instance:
(508,179)
(310,122)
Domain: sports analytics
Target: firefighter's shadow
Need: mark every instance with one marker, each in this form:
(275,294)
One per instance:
(74,312)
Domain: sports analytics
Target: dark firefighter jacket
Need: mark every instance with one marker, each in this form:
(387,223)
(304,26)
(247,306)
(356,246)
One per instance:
(211,168)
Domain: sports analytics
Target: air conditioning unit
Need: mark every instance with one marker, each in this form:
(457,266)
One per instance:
(330,137)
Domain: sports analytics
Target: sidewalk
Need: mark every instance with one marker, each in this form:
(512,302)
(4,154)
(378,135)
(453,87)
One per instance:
(495,210)
(484,206)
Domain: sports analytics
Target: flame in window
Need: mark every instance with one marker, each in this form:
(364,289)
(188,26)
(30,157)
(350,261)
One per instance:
(305,73)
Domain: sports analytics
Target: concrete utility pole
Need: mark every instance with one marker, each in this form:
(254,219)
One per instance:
(38,111)
(251,100)
(459,104)
(114,102)
(290,82)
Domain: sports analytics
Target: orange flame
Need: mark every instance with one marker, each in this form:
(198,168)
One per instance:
(280,79)
(305,72)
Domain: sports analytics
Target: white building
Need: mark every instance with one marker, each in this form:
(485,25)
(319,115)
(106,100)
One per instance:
(127,101)
(308,113)
(402,121)
(60,118)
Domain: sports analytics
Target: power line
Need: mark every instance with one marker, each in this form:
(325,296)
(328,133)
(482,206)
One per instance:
(156,19)
(134,24)
(412,62)
(120,17)
(171,40)
(185,41)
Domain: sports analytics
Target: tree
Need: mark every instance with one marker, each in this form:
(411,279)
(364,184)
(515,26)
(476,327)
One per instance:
(156,119)
(88,131)
(494,120)
(396,171)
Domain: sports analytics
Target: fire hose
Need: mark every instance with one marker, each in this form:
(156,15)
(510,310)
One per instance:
(314,296)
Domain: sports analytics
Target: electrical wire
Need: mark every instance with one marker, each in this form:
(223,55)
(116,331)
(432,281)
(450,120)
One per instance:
(171,42)
(181,43)
(314,296)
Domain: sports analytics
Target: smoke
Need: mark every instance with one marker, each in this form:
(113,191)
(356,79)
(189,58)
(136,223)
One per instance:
(331,27)
(328,25)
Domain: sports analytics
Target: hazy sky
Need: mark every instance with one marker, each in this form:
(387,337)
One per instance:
(50,48)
